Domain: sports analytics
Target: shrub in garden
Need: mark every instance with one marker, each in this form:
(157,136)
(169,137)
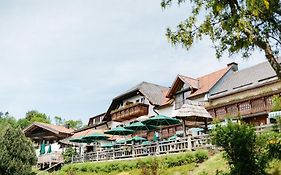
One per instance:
(241,148)
(149,165)
(68,153)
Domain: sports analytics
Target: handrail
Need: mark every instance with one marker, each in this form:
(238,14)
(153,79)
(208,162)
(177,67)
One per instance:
(165,147)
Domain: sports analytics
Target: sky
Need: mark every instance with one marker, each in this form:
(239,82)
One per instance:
(69,58)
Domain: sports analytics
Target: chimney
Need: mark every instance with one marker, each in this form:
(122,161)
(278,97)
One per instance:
(233,65)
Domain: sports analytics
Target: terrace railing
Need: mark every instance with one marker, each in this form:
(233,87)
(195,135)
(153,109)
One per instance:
(165,147)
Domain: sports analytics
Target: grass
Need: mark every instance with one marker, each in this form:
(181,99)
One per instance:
(215,164)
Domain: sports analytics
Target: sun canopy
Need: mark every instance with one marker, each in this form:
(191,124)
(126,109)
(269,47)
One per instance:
(119,131)
(146,143)
(78,140)
(95,136)
(137,138)
(161,120)
(139,126)
(107,145)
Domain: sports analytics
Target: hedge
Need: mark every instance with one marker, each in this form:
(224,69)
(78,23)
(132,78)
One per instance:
(127,165)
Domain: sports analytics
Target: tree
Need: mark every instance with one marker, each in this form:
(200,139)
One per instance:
(8,120)
(58,120)
(33,116)
(74,124)
(233,26)
(16,152)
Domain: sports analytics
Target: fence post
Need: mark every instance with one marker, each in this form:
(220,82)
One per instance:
(133,151)
(72,159)
(189,146)
(113,156)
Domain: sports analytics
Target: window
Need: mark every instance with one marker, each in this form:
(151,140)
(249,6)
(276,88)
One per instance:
(181,98)
(97,120)
(137,101)
(142,100)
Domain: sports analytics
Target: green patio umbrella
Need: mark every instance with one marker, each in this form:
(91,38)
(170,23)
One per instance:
(121,131)
(78,140)
(174,137)
(42,148)
(161,120)
(49,149)
(123,141)
(146,143)
(95,137)
(107,145)
(139,126)
(137,138)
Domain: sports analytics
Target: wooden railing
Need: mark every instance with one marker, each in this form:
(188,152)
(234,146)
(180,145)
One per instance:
(54,157)
(132,151)
(160,148)
(129,112)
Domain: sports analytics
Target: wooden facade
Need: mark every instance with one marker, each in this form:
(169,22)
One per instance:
(129,112)
(253,110)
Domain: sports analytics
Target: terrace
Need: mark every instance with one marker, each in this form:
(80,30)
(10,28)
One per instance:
(131,151)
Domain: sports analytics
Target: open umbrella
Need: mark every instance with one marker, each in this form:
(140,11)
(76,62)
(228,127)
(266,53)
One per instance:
(121,131)
(107,145)
(139,126)
(42,148)
(78,140)
(137,138)
(146,143)
(161,120)
(95,136)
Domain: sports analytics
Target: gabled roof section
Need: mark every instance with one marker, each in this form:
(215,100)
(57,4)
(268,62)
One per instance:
(52,128)
(246,79)
(198,85)
(156,94)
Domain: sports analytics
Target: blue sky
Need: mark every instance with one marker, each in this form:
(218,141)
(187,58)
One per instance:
(70,57)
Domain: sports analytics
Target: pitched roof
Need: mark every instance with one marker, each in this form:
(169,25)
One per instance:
(53,128)
(156,94)
(201,84)
(246,78)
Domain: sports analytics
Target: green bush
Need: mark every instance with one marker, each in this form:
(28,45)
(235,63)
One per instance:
(201,156)
(147,165)
(16,152)
(68,153)
(239,142)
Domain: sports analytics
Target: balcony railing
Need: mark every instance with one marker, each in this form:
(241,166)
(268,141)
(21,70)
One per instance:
(130,112)
(54,157)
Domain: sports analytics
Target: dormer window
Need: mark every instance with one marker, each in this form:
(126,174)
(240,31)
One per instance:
(181,98)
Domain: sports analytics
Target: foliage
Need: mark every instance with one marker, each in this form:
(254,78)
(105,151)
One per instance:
(16,152)
(33,116)
(241,148)
(68,153)
(58,120)
(8,120)
(233,26)
(270,145)
(75,124)
(148,164)
(276,103)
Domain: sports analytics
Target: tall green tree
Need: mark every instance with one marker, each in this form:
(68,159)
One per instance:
(33,116)
(16,152)
(74,124)
(234,26)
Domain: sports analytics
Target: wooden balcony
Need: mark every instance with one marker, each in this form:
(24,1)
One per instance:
(243,108)
(129,112)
